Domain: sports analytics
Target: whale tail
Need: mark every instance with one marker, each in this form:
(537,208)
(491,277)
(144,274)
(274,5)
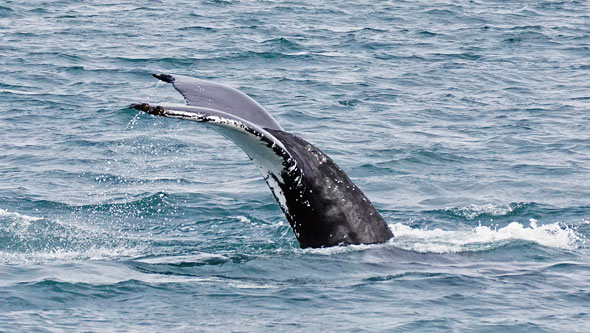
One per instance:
(320,202)
(215,96)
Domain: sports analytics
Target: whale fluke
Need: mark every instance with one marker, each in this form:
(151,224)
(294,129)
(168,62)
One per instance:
(323,206)
(164,77)
(212,95)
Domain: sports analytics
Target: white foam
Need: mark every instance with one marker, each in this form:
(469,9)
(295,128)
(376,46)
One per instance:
(252,285)
(93,253)
(194,258)
(340,29)
(472,211)
(18,216)
(244,219)
(328,251)
(20,222)
(19,92)
(482,238)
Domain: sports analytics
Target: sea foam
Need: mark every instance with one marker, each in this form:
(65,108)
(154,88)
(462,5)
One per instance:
(482,238)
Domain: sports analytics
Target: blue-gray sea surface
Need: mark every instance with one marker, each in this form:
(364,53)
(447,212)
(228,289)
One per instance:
(467,123)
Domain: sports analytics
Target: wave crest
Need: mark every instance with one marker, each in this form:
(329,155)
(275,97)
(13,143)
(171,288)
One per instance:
(483,238)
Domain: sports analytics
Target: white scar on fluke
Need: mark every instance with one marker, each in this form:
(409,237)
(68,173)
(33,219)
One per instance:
(321,203)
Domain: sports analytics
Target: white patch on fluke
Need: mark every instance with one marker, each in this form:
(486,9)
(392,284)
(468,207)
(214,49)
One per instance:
(249,137)
(278,192)
(267,152)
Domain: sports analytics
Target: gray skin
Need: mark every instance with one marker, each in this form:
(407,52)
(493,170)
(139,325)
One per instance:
(323,206)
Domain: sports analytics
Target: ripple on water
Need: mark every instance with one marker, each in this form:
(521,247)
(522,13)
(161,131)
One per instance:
(465,123)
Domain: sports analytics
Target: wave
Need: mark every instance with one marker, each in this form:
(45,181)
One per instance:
(483,238)
(281,44)
(143,203)
(477,239)
(18,216)
(473,211)
(63,254)
(31,239)
(28,239)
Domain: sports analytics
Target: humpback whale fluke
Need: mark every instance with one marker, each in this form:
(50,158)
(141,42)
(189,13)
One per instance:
(323,206)
(164,77)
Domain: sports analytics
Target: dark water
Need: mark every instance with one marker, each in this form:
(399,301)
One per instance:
(466,123)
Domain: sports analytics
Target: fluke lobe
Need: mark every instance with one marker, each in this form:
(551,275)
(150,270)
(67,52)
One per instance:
(324,207)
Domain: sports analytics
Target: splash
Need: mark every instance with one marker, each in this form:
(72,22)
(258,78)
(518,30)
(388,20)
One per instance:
(244,219)
(61,255)
(133,121)
(473,211)
(482,238)
(31,240)
(334,250)
(19,222)
(478,239)
(18,217)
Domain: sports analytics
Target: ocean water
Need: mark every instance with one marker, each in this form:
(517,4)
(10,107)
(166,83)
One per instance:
(467,123)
